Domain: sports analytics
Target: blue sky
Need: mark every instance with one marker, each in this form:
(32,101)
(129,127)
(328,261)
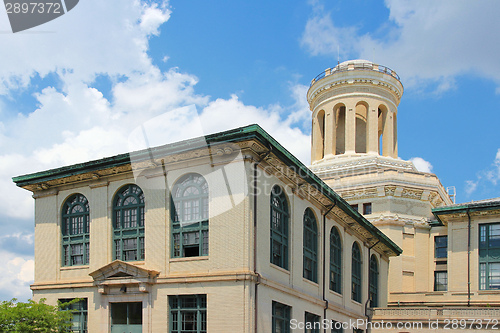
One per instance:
(75,88)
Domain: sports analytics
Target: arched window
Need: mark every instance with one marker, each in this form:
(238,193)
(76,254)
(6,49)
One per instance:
(128,223)
(373,281)
(335,261)
(190,216)
(75,231)
(310,246)
(356,272)
(279,228)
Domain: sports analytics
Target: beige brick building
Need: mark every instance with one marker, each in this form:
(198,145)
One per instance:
(231,233)
(227,233)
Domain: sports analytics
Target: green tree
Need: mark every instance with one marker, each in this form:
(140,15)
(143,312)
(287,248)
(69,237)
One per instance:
(19,317)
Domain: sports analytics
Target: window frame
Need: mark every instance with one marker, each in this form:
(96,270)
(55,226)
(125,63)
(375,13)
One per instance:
(438,247)
(489,255)
(312,318)
(129,223)
(337,328)
(437,278)
(310,246)
(367,208)
(69,239)
(184,225)
(176,313)
(356,273)
(81,308)
(279,234)
(374,281)
(283,319)
(335,260)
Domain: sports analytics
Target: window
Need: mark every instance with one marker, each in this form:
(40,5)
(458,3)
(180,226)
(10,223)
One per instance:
(79,310)
(367,208)
(188,313)
(373,281)
(335,261)
(128,224)
(337,327)
(190,217)
(281,318)
(356,273)
(75,231)
(312,323)
(441,247)
(440,281)
(279,228)
(126,317)
(355,207)
(489,256)
(310,246)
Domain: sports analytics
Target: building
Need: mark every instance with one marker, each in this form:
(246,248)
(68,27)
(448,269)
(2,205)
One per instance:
(231,233)
(227,233)
(449,266)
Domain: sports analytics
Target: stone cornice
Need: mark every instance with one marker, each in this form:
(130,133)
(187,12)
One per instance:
(342,163)
(342,82)
(462,216)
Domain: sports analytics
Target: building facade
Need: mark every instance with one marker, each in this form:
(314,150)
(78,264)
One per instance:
(448,268)
(227,233)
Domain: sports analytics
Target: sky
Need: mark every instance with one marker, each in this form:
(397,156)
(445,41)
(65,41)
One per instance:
(73,89)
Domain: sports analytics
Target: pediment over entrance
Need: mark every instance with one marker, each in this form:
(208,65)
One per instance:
(120,273)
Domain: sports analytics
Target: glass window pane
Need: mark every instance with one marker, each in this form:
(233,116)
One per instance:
(190,200)
(135,313)
(119,313)
(129,221)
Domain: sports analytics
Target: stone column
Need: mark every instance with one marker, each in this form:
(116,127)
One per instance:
(315,138)
(395,135)
(388,139)
(372,132)
(330,131)
(350,130)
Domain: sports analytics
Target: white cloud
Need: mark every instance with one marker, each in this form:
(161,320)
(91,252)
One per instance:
(16,274)
(458,33)
(236,114)
(421,164)
(152,18)
(321,36)
(76,122)
(95,37)
(470,186)
(493,175)
(487,179)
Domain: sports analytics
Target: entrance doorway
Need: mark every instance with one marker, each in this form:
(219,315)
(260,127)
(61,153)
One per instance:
(126,317)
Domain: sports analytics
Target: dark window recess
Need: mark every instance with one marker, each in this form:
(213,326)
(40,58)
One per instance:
(313,323)
(440,281)
(441,247)
(367,208)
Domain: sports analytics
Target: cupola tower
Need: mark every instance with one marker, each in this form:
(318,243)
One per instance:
(355,106)
(355,151)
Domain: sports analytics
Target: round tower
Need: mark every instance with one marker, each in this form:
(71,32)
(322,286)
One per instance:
(355,151)
(354,108)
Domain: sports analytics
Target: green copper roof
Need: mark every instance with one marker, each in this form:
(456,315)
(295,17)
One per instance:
(473,206)
(235,135)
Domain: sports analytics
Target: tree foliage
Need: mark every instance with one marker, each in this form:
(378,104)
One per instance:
(19,317)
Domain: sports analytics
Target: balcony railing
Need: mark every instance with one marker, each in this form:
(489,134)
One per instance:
(344,67)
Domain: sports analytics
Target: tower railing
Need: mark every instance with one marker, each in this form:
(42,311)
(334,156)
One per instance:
(355,65)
